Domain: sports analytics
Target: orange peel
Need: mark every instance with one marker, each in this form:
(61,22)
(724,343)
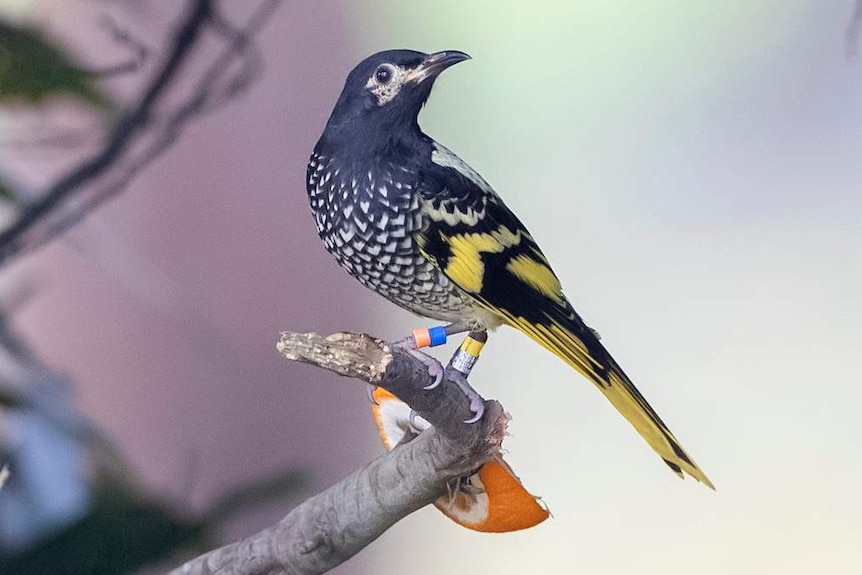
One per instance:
(492,500)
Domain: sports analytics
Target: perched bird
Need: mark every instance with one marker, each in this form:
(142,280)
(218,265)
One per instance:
(413,222)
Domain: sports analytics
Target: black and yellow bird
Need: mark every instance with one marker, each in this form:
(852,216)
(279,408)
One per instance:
(413,222)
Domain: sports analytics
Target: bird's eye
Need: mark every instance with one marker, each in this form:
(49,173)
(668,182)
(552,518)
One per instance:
(383,74)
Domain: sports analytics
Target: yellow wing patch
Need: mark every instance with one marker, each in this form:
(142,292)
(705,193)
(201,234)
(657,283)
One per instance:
(536,275)
(465,266)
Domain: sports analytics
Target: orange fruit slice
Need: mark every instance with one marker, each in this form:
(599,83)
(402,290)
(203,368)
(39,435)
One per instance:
(491,500)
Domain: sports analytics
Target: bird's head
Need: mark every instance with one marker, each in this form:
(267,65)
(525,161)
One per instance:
(388,89)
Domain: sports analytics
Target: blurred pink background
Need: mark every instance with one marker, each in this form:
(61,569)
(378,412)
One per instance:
(165,306)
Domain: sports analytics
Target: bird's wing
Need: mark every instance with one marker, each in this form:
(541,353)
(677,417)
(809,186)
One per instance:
(479,244)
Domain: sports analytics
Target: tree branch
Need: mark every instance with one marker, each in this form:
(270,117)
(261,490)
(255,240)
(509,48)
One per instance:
(334,525)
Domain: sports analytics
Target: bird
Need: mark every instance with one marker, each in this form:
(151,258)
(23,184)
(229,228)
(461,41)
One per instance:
(413,222)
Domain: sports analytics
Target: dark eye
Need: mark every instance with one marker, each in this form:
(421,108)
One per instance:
(383,74)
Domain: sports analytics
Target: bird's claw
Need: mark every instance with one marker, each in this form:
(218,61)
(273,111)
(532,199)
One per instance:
(477,404)
(435,368)
(417,425)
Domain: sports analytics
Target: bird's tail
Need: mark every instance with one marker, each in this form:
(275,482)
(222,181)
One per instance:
(568,338)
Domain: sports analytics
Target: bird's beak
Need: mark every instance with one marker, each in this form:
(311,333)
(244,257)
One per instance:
(435,63)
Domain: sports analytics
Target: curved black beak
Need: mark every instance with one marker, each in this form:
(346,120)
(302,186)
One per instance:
(435,63)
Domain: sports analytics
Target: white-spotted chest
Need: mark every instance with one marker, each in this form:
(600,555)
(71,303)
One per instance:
(366,219)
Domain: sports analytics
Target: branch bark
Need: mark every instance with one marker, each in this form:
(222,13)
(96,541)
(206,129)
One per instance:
(334,525)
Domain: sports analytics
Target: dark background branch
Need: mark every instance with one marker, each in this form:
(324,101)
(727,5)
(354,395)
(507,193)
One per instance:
(12,239)
(72,197)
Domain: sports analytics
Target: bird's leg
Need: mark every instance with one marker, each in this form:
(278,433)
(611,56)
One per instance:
(457,327)
(430,337)
(460,366)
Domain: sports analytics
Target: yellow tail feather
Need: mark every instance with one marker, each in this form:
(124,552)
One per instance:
(618,389)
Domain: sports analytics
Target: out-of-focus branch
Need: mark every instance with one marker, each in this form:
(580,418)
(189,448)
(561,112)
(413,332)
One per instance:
(14,239)
(852,40)
(146,131)
(124,38)
(331,527)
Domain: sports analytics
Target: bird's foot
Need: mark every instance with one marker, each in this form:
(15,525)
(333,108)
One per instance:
(477,404)
(435,368)
(459,366)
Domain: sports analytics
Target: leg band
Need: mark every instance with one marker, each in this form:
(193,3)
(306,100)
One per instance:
(429,337)
(468,353)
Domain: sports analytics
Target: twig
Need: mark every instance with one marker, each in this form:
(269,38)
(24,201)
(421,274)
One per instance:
(207,96)
(184,39)
(331,527)
(69,200)
(124,38)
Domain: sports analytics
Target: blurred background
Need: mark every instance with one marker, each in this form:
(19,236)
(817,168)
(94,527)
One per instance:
(692,171)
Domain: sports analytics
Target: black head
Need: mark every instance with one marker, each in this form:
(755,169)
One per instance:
(386,91)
